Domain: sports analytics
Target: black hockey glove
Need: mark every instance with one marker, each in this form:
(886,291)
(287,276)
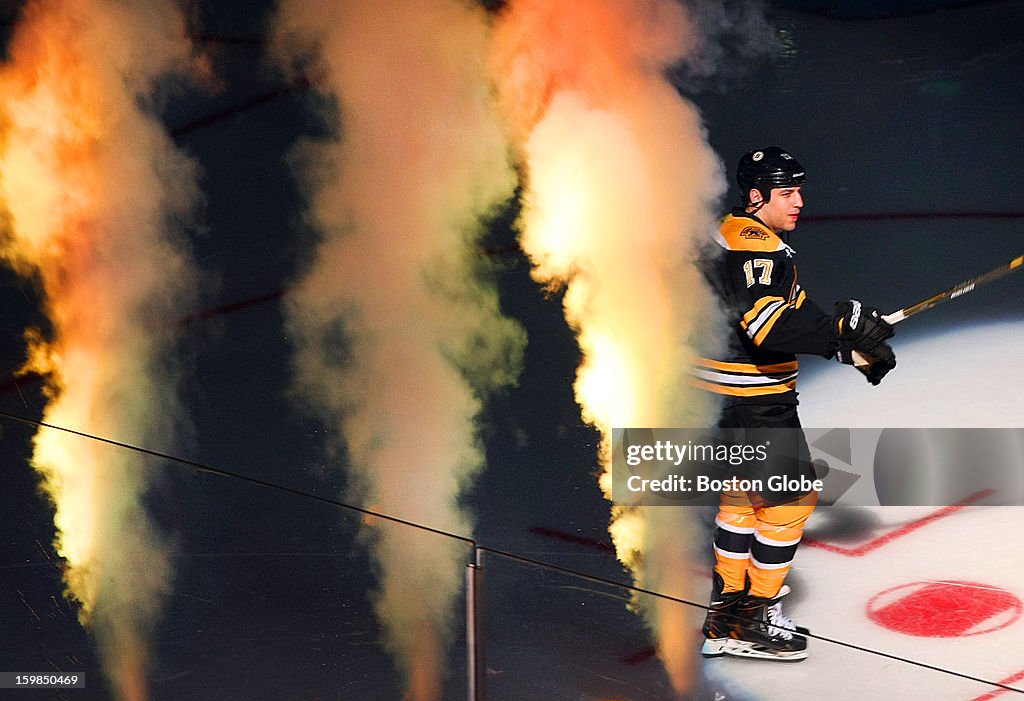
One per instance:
(860,328)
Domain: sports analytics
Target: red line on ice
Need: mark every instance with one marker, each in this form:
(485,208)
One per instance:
(900,532)
(998,692)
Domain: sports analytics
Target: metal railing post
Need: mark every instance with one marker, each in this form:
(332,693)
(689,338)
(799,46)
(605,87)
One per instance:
(476,661)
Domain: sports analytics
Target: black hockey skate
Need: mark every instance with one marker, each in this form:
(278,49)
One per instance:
(721,621)
(762,632)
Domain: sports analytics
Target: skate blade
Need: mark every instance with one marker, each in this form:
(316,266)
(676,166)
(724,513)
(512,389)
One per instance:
(714,647)
(748,650)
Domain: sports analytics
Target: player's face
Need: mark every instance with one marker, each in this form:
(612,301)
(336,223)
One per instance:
(783,209)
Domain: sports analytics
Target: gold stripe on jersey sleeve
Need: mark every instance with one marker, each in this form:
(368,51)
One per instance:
(756,310)
(800,299)
(744,391)
(748,368)
(766,327)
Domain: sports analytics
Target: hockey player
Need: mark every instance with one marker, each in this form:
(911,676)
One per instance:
(773,319)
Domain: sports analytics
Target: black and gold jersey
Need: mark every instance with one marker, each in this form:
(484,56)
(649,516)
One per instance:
(772,317)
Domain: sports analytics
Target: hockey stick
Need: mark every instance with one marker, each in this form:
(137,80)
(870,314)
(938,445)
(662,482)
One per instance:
(958,290)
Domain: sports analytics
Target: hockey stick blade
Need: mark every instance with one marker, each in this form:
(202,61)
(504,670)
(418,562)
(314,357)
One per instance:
(958,290)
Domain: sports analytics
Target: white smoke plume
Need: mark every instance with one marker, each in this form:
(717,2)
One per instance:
(397,336)
(94,196)
(731,39)
(621,189)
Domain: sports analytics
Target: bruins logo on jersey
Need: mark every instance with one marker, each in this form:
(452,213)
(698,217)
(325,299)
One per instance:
(753,232)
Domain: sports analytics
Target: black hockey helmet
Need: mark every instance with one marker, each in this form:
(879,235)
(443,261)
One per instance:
(766,168)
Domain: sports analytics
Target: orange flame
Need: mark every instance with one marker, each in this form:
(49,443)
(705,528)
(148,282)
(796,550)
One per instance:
(88,181)
(621,187)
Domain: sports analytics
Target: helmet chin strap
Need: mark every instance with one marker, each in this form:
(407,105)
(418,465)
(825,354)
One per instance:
(755,207)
